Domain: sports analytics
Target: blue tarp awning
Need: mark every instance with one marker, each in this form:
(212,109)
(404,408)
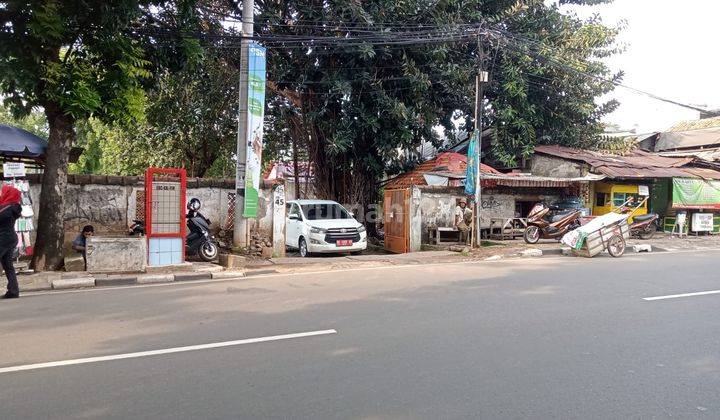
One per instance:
(16,143)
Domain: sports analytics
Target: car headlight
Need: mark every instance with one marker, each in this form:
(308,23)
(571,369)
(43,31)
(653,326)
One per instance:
(317,230)
(361,228)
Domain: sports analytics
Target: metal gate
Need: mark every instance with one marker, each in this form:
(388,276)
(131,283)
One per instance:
(396,209)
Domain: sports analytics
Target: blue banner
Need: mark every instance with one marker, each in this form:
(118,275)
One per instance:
(472,164)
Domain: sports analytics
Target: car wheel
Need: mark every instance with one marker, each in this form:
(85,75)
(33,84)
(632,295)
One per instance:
(303,248)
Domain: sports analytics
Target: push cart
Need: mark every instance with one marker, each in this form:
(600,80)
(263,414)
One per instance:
(611,236)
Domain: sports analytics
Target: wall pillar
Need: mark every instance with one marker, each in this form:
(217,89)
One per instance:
(278,221)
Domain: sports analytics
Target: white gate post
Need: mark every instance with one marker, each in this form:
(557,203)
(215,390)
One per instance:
(278,236)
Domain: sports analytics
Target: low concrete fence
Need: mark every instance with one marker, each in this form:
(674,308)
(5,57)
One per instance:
(116,255)
(111,203)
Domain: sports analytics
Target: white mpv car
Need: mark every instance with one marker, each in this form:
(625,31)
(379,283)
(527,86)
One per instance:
(322,226)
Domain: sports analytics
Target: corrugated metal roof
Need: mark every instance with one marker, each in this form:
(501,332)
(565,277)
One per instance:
(491,180)
(444,164)
(636,164)
(709,155)
(688,139)
(695,124)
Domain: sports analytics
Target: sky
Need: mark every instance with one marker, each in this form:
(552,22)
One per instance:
(671,51)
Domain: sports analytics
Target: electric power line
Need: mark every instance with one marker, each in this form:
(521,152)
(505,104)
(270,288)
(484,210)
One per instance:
(424,35)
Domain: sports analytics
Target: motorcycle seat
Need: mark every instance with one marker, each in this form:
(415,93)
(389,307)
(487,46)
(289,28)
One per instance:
(644,217)
(559,216)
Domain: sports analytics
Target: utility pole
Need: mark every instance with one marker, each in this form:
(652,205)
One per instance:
(240,229)
(480,79)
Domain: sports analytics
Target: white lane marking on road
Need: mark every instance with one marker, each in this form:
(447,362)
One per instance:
(164,351)
(682,295)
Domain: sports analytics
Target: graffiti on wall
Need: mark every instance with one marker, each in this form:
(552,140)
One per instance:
(102,207)
(490,203)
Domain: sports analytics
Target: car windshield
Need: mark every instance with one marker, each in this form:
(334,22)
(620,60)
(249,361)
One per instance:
(324,211)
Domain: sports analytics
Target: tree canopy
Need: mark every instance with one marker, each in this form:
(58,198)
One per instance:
(354,87)
(363,110)
(75,59)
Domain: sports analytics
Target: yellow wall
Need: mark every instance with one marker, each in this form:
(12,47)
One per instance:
(613,191)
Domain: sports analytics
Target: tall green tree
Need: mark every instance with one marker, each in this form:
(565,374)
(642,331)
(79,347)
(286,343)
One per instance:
(74,59)
(189,119)
(363,110)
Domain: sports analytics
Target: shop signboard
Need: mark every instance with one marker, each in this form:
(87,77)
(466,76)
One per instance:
(696,194)
(702,222)
(255,116)
(14,169)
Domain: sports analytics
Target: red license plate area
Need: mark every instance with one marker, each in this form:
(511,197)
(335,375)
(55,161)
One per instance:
(344,242)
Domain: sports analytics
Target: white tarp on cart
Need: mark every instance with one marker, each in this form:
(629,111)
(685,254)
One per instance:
(576,238)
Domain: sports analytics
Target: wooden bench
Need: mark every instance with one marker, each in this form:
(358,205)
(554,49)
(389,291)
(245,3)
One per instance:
(507,227)
(437,233)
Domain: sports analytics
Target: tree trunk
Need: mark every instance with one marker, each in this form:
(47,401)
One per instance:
(296,169)
(49,253)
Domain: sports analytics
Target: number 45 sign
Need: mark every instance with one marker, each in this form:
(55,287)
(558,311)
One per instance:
(279,195)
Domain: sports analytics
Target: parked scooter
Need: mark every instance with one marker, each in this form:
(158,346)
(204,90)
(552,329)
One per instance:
(643,226)
(199,241)
(137,228)
(540,228)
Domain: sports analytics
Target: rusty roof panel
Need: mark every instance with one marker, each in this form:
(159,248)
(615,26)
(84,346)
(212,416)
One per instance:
(520,182)
(637,164)
(443,164)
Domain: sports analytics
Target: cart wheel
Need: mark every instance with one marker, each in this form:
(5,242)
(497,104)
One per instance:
(616,246)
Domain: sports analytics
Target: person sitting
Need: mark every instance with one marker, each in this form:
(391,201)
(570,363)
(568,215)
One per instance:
(463,220)
(80,242)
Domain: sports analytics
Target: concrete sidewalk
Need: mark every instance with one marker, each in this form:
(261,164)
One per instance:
(56,280)
(208,271)
(253,267)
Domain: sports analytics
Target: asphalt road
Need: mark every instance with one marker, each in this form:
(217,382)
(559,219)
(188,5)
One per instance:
(556,338)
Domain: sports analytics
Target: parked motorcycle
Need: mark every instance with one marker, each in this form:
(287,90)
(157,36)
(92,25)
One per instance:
(199,241)
(644,226)
(539,227)
(137,228)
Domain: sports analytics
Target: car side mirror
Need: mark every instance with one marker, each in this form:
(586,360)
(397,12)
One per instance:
(294,217)
(352,214)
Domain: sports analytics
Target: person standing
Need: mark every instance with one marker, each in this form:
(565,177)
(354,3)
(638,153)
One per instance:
(463,220)
(10,210)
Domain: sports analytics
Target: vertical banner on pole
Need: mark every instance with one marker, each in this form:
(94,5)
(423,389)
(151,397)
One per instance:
(472,165)
(255,115)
